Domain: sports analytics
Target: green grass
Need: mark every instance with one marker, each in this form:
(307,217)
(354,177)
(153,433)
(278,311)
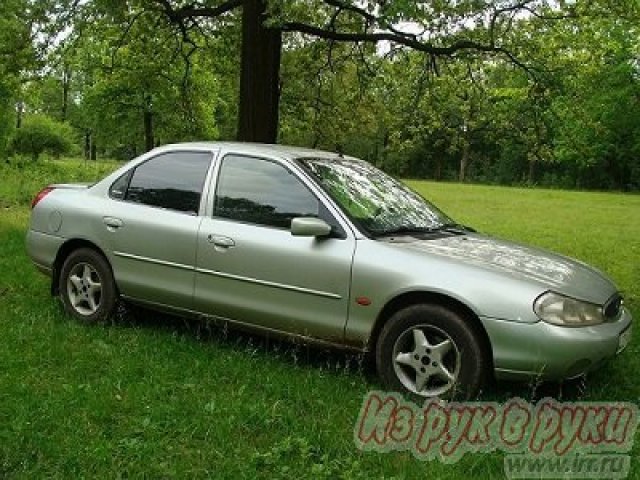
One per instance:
(20,180)
(164,397)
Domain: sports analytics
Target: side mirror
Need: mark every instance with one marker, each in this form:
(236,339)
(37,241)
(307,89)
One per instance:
(309,227)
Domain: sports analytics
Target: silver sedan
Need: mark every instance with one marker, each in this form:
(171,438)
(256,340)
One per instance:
(320,246)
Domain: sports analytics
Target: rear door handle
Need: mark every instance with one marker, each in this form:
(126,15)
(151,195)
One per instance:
(221,241)
(112,223)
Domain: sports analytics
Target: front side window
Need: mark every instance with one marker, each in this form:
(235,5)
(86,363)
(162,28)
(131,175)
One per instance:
(118,189)
(171,180)
(259,191)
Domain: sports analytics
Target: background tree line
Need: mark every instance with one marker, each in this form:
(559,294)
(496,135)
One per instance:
(510,92)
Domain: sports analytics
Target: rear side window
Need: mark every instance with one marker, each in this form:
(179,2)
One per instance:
(170,180)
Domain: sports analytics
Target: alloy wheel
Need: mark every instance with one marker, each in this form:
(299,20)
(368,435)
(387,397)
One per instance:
(426,360)
(84,289)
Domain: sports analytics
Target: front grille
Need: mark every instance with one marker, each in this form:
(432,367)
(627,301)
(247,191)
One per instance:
(613,306)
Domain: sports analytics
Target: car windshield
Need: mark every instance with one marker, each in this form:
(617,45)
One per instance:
(378,203)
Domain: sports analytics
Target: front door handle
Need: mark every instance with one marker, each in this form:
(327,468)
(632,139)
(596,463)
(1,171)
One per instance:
(221,241)
(112,223)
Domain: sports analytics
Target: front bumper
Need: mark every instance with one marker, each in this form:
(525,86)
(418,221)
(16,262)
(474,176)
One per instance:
(551,352)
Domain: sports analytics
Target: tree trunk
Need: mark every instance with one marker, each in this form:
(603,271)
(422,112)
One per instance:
(532,169)
(94,149)
(464,160)
(437,174)
(66,85)
(259,76)
(148,130)
(87,144)
(19,113)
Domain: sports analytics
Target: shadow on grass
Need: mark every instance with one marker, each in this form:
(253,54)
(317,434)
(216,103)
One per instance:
(316,357)
(210,331)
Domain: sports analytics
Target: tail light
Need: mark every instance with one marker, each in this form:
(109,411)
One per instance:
(40,195)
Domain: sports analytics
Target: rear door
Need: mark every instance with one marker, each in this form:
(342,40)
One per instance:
(151,228)
(249,266)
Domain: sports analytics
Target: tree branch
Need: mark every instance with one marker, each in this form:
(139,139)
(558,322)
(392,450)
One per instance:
(375,37)
(190,11)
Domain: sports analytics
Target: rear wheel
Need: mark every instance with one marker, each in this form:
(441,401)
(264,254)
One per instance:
(86,286)
(430,351)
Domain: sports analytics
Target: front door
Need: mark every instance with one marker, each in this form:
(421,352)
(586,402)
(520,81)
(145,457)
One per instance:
(251,269)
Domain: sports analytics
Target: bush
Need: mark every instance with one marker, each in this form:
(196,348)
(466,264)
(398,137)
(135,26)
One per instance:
(39,134)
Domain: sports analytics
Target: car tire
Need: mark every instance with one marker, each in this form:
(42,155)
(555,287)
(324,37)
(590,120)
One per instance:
(428,351)
(86,286)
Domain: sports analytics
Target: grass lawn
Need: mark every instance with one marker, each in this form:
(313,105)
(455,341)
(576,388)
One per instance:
(164,397)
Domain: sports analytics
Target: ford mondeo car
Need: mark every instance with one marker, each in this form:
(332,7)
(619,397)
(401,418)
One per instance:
(327,248)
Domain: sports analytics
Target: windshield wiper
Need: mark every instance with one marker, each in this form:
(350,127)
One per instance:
(456,227)
(406,230)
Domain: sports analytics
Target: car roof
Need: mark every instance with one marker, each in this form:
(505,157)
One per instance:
(282,151)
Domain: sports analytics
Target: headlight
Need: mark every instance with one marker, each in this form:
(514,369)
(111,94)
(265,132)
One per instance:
(565,311)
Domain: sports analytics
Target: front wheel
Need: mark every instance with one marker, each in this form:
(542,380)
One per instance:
(430,351)
(87,287)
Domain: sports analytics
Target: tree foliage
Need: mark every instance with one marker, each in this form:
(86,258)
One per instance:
(41,134)
(16,54)
(528,91)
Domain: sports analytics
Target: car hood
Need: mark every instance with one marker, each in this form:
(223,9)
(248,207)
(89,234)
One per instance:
(550,270)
